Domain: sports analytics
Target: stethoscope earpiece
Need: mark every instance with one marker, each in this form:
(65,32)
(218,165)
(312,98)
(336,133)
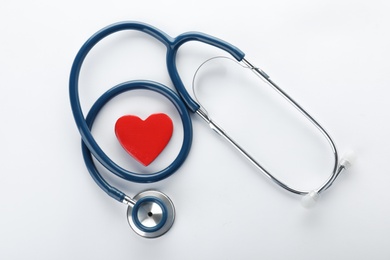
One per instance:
(152,215)
(310,200)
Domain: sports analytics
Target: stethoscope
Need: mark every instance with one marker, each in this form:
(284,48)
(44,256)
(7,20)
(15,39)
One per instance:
(151,213)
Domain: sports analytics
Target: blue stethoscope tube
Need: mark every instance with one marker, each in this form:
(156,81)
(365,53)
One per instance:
(91,148)
(98,105)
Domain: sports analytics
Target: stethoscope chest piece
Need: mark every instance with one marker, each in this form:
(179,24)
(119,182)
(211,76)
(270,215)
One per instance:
(152,215)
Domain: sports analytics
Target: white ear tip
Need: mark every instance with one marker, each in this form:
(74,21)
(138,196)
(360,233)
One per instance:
(309,200)
(348,159)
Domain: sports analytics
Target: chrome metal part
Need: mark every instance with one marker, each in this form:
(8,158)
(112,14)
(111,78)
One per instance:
(337,169)
(129,201)
(150,214)
(202,112)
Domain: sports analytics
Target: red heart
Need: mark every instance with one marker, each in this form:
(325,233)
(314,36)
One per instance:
(144,140)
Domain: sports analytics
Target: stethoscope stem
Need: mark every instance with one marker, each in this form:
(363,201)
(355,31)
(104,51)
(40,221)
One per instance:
(129,201)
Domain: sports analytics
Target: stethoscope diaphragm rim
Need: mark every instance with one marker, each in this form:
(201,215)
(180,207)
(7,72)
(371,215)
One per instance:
(168,214)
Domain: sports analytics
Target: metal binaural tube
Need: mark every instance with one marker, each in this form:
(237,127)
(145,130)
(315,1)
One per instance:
(337,169)
(222,133)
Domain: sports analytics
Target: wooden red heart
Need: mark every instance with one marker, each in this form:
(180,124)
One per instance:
(144,139)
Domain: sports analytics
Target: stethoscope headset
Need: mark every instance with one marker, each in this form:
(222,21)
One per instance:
(151,213)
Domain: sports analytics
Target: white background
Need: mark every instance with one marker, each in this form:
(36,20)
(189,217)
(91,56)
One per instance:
(331,56)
